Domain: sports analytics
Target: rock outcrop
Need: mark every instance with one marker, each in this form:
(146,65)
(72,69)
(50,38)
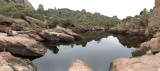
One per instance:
(36,24)
(68,32)
(11,63)
(130,26)
(21,25)
(157,3)
(80,66)
(145,63)
(21,44)
(54,36)
(60,34)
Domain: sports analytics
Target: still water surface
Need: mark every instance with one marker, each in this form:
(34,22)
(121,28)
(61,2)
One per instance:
(97,50)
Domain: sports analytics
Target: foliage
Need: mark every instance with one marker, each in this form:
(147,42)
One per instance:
(151,10)
(145,11)
(53,23)
(66,23)
(80,17)
(17,10)
(40,9)
(65,17)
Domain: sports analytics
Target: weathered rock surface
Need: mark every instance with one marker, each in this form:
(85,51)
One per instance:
(145,63)
(54,36)
(11,63)
(36,24)
(60,34)
(21,25)
(68,32)
(157,3)
(80,66)
(21,44)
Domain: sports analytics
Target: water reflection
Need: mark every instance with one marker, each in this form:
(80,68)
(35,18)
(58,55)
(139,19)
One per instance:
(97,50)
(132,41)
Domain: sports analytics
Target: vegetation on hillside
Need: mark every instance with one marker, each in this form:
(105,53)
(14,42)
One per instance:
(63,17)
(17,10)
(80,17)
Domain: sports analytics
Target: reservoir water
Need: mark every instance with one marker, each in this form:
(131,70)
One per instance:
(98,50)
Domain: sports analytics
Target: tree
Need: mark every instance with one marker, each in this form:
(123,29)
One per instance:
(145,11)
(40,9)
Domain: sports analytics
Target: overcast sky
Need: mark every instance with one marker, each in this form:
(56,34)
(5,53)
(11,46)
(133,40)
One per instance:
(121,8)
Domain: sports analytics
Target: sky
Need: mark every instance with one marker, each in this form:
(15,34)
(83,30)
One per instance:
(120,8)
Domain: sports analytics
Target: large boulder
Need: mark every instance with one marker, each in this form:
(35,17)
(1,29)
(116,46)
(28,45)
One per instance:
(21,44)
(11,63)
(80,66)
(55,36)
(68,32)
(145,63)
(20,25)
(30,34)
(35,24)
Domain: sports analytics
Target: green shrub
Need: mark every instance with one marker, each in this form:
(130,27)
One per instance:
(145,11)
(17,10)
(53,23)
(151,10)
(66,23)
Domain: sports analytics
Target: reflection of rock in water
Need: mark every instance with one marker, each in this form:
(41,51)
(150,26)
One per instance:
(92,36)
(132,41)
(54,49)
(88,37)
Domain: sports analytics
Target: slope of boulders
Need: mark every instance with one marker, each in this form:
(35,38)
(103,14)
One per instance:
(147,24)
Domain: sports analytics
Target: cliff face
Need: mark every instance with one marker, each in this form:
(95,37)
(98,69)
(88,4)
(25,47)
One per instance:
(157,3)
(26,2)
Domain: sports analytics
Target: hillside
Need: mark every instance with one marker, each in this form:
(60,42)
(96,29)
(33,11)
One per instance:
(53,17)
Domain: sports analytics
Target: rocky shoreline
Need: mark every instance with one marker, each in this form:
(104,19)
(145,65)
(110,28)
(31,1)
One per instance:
(26,40)
(146,57)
